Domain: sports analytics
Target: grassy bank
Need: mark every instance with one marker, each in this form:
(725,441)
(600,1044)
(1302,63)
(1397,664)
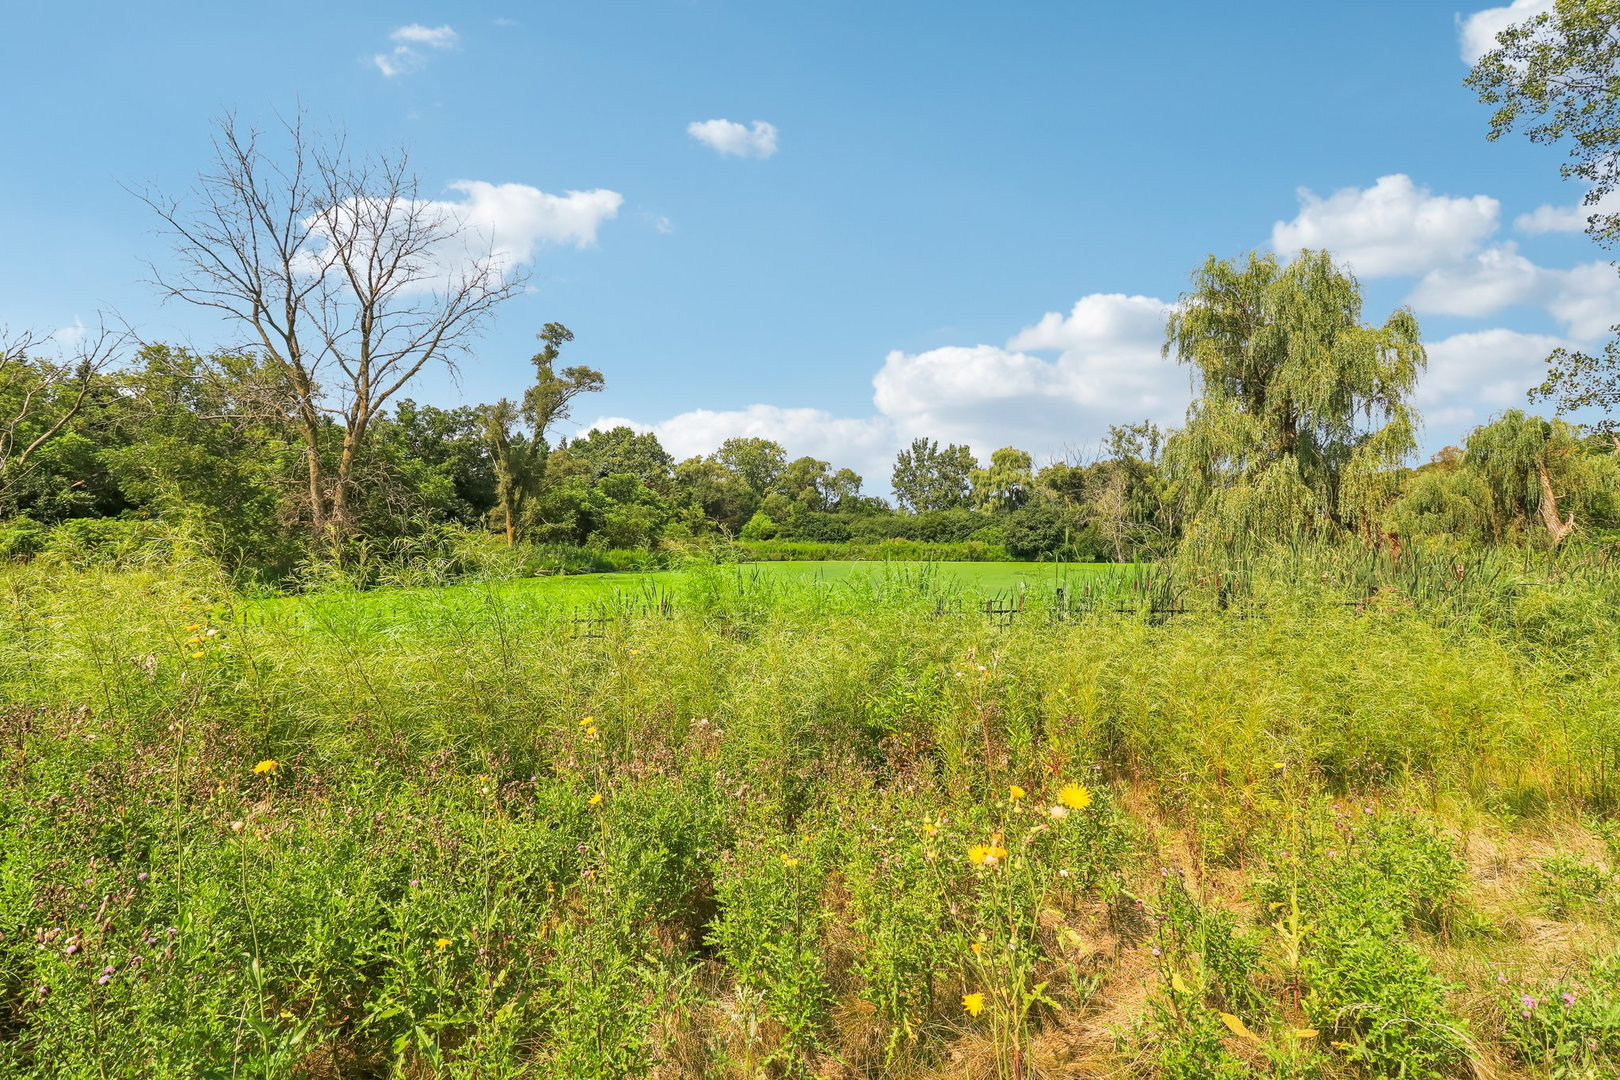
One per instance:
(795,823)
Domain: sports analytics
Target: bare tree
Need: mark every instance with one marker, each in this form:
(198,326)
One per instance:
(41,393)
(347,280)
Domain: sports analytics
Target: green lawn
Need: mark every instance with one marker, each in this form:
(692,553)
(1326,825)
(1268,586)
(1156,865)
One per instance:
(585,595)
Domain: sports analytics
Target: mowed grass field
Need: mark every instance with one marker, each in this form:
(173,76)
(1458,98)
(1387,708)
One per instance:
(834,585)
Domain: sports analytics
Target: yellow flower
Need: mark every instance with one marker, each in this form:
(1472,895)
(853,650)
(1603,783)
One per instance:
(587,722)
(590,731)
(1074,796)
(1014,792)
(442,943)
(977,947)
(594,799)
(986,854)
(973,1004)
(268,765)
(930,829)
(789,861)
(198,655)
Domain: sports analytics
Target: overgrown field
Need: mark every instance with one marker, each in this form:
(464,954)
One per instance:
(767,828)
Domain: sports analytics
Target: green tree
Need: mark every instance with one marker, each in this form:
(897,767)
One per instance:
(196,439)
(41,395)
(758,463)
(1303,410)
(1533,470)
(1556,78)
(1006,484)
(928,478)
(719,494)
(519,458)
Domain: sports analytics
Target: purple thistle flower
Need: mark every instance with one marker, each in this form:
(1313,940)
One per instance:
(104,980)
(1528,1002)
(1567,998)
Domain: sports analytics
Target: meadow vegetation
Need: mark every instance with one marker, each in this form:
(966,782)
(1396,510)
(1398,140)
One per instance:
(1314,815)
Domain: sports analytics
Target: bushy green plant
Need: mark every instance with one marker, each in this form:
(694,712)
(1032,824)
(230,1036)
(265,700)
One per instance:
(1569,1027)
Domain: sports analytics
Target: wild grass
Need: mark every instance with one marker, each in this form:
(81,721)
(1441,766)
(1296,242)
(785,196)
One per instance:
(748,825)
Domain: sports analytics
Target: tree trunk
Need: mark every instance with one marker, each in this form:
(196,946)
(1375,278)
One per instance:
(1558,529)
(339,525)
(317,480)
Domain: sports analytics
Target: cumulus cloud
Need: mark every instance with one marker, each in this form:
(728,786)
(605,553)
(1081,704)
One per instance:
(517,218)
(1391,228)
(1107,370)
(1476,34)
(1585,298)
(1473,375)
(1496,278)
(862,444)
(731,139)
(1566,219)
(409,41)
(503,225)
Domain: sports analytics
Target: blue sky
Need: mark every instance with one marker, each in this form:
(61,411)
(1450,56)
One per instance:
(945,219)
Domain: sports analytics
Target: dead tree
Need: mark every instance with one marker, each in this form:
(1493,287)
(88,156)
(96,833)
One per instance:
(344,277)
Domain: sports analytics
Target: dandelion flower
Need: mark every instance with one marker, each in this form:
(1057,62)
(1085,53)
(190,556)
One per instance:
(587,721)
(973,1004)
(1074,797)
(930,829)
(789,861)
(268,765)
(443,943)
(198,655)
(594,800)
(977,947)
(1014,792)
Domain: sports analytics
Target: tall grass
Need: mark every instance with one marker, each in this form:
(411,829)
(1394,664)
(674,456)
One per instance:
(742,826)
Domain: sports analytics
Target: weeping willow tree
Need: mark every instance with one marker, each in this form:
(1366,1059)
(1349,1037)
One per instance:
(1530,466)
(1301,413)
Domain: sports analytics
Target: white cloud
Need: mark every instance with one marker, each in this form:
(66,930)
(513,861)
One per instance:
(407,55)
(732,139)
(502,225)
(1476,35)
(1391,228)
(434,37)
(1475,374)
(517,218)
(1108,370)
(862,444)
(1571,219)
(1496,278)
(70,337)
(1586,299)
